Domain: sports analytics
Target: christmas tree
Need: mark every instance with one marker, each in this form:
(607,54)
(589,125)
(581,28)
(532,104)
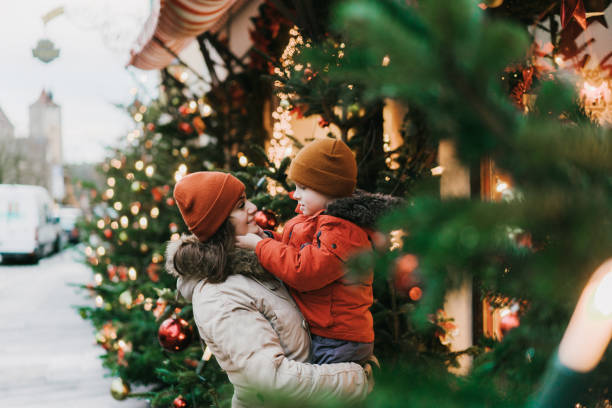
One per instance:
(533,249)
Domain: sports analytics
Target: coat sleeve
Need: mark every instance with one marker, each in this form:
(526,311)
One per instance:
(316,264)
(248,348)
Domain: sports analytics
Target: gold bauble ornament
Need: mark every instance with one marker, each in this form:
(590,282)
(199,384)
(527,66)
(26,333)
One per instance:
(119,389)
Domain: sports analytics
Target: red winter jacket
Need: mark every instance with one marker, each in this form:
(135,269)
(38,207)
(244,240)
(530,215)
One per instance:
(310,258)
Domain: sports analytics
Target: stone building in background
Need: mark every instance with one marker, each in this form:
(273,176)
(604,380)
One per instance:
(43,147)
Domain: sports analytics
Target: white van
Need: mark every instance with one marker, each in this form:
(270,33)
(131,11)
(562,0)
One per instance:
(28,227)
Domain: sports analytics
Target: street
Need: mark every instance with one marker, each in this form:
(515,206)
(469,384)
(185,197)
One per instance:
(48,355)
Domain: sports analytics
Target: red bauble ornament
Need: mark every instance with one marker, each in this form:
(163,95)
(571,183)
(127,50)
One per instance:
(152,271)
(185,127)
(406,278)
(183,110)
(170,202)
(198,124)
(108,233)
(157,193)
(150,127)
(112,272)
(266,219)
(123,273)
(179,402)
(509,322)
(415,293)
(174,334)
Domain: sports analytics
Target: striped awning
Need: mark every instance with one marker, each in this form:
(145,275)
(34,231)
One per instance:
(172,25)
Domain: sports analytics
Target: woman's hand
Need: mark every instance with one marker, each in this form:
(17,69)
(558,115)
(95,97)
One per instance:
(248,241)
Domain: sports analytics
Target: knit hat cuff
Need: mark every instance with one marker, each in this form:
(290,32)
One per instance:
(333,185)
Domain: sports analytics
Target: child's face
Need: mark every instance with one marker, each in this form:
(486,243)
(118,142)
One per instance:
(310,201)
(242,217)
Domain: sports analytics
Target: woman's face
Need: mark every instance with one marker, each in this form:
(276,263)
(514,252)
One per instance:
(242,217)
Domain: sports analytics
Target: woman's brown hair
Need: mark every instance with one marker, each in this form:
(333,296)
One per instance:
(188,257)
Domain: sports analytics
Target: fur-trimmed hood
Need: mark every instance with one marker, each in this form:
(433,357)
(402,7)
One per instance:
(239,262)
(363,208)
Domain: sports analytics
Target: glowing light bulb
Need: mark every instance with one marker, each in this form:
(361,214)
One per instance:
(587,336)
(144,223)
(139,165)
(118,205)
(437,171)
(110,181)
(150,170)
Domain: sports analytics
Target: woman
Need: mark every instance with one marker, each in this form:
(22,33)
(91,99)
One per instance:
(245,315)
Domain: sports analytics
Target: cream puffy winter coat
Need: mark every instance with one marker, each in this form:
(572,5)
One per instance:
(259,337)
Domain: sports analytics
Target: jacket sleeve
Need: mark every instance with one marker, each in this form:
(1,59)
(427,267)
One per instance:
(316,264)
(248,348)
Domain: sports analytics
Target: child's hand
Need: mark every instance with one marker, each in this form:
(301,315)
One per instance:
(248,241)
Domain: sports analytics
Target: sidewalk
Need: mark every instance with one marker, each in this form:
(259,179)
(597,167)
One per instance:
(48,355)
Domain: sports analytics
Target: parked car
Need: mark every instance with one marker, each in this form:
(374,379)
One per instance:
(28,227)
(68,218)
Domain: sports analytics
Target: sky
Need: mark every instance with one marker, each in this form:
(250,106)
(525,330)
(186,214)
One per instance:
(88,78)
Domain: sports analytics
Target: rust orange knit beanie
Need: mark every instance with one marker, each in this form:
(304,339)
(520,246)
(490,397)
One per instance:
(327,166)
(205,200)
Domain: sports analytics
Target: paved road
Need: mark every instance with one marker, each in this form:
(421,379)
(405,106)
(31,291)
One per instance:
(48,356)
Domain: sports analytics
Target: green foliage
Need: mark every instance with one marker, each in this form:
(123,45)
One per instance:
(561,169)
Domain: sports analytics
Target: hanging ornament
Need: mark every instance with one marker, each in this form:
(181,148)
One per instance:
(266,219)
(123,273)
(111,270)
(152,271)
(179,402)
(160,307)
(102,340)
(123,236)
(198,124)
(151,127)
(508,322)
(108,233)
(284,103)
(183,110)
(174,334)
(125,299)
(45,51)
(170,201)
(406,278)
(119,389)
(185,128)
(157,194)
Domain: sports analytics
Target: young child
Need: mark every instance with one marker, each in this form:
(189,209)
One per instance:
(310,254)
